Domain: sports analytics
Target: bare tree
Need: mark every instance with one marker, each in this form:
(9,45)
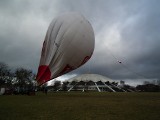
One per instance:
(23,75)
(5,74)
(24,80)
(64,86)
(56,85)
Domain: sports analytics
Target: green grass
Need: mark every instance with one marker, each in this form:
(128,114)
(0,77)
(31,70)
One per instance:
(81,106)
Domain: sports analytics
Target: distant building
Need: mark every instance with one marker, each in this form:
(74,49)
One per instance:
(91,82)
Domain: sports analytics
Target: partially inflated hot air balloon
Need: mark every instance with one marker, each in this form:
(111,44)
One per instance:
(69,43)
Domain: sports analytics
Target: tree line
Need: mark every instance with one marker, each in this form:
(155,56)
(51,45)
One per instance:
(18,81)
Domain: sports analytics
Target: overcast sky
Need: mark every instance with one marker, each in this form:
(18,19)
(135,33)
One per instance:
(125,30)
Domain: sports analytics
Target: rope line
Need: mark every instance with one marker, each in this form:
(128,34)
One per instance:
(122,64)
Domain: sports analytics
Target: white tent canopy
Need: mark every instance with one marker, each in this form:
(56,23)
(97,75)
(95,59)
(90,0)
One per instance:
(90,77)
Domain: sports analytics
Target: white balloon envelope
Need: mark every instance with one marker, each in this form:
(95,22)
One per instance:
(69,43)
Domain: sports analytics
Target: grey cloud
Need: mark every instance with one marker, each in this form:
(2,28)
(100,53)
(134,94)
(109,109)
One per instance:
(125,30)
(138,47)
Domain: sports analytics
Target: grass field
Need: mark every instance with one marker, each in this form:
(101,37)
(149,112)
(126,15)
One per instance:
(81,106)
